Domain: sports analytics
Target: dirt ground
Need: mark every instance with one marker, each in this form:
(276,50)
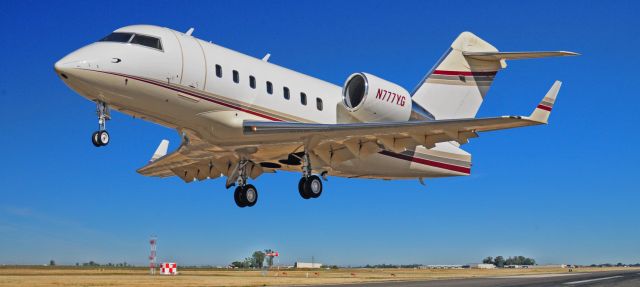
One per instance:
(72,276)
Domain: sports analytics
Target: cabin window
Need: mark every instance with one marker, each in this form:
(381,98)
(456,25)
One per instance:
(236,77)
(117,37)
(148,41)
(269,88)
(219,71)
(319,104)
(285,91)
(252,82)
(303,98)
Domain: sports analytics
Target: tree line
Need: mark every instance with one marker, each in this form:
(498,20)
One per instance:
(256,260)
(499,261)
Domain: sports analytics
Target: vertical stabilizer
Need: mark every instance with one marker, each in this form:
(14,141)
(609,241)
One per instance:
(457,84)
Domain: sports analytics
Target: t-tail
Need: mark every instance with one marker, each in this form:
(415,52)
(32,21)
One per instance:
(456,86)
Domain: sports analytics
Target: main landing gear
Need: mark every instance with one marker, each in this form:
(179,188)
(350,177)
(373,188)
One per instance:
(309,186)
(245,195)
(101,137)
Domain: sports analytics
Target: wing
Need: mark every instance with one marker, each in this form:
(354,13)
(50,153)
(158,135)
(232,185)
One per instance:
(197,159)
(279,145)
(194,159)
(326,139)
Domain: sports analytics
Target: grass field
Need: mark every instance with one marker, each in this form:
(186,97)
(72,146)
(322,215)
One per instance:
(71,276)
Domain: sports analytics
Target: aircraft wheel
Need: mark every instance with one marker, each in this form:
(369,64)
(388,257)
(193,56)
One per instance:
(313,186)
(94,139)
(301,188)
(237,196)
(250,195)
(103,138)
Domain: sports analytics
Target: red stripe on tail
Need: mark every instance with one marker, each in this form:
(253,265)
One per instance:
(543,107)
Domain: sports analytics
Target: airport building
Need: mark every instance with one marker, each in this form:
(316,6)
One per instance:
(308,265)
(481,266)
(441,266)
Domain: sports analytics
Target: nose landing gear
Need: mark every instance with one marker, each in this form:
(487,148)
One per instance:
(101,137)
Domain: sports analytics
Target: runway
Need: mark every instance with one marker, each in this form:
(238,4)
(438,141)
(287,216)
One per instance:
(612,278)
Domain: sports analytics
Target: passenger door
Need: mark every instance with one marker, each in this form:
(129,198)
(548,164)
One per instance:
(193,63)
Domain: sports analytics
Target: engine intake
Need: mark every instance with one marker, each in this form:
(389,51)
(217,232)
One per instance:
(372,99)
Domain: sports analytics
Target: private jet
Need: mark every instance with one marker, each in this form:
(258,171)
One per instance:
(240,116)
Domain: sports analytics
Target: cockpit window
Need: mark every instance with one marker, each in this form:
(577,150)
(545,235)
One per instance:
(147,41)
(117,37)
(120,37)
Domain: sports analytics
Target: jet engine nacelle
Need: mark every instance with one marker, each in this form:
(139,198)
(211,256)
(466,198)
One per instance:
(372,99)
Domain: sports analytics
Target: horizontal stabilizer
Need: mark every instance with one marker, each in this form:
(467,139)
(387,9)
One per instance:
(496,56)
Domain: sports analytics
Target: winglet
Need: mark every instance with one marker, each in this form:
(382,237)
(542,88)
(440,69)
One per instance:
(543,110)
(160,151)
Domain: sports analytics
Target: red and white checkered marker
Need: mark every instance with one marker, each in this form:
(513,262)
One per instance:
(169,269)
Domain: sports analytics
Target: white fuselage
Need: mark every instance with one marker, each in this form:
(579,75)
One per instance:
(194,85)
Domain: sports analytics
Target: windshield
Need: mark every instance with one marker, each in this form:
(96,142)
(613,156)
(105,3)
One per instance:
(117,37)
(147,41)
(120,37)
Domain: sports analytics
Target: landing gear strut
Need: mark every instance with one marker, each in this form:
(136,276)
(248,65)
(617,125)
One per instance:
(245,195)
(309,186)
(101,137)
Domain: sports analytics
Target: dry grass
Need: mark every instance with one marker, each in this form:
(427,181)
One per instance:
(55,276)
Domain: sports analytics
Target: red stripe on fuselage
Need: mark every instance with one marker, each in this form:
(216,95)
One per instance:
(206,98)
(442,165)
(463,73)
(543,107)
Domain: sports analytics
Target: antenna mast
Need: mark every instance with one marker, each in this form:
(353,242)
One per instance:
(152,257)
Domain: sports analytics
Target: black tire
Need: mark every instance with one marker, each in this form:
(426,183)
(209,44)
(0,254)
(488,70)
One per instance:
(313,186)
(94,139)
(301,188)
(237,196)
(250,198)
(103,138)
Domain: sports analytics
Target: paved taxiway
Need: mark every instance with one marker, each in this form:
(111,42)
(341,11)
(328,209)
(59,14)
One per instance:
(612,278)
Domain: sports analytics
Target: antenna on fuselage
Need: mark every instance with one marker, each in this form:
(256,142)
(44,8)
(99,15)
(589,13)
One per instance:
(188,33)
(266,57)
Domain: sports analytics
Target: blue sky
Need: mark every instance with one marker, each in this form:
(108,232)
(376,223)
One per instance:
(566,192)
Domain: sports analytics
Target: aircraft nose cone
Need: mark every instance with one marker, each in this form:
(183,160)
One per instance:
(61,68)
(65,67)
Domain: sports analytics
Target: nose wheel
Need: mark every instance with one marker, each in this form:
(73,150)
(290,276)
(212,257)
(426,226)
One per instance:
(101,137)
